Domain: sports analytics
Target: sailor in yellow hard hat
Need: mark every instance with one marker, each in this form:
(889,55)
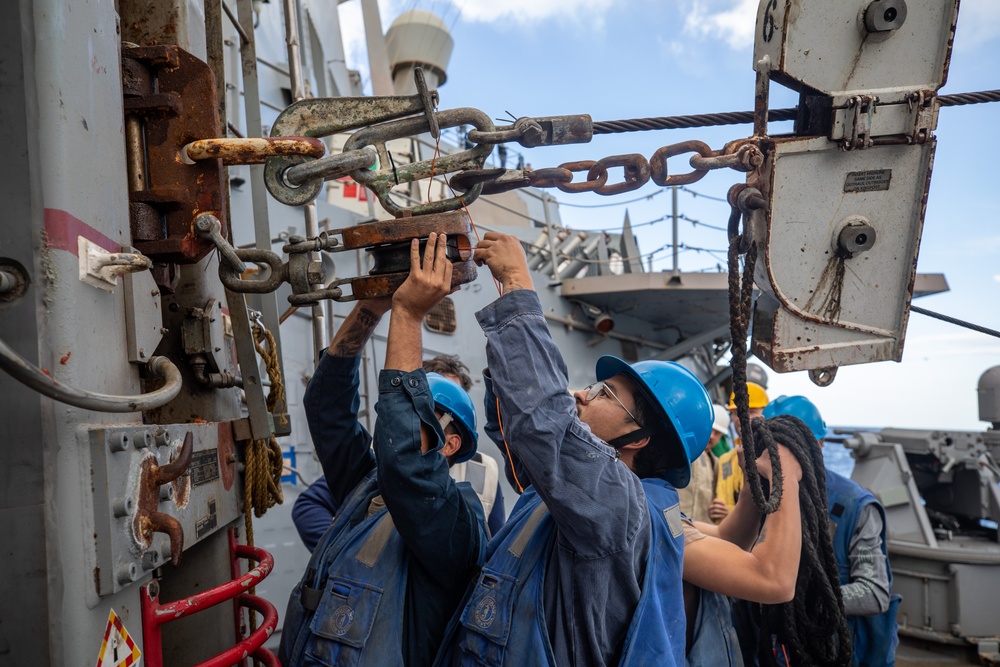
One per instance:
(729,467)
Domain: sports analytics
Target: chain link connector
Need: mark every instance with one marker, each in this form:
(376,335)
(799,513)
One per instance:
(250,151)
(743,199)
(494,181)
(558,131)
(746,158)
(235,283)
(658,163)
(590,185)
(548,177)
(636,173)
(382,180)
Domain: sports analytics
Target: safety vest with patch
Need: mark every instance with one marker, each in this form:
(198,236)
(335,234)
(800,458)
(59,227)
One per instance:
(348,609)
(503,620)
(874,637)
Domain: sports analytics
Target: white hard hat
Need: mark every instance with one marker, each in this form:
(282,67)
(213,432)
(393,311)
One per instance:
(721,423)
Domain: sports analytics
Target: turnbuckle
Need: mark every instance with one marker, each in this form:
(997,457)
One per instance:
(388,243)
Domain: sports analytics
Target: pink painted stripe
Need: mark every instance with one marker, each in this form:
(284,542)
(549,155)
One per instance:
(63,229)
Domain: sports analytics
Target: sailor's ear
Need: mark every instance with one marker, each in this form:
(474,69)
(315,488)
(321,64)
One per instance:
(452,443)
(637,445)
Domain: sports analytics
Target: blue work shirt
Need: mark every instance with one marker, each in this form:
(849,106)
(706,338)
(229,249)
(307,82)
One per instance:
(602,525)
(441,521)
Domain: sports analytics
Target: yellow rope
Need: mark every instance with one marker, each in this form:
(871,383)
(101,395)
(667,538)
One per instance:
(263,462)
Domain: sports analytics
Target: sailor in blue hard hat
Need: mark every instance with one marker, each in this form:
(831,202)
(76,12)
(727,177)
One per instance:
(859,547)
(388,574)
(457,416)
(587,569)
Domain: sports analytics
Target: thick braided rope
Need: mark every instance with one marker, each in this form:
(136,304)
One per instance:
(813,625)
(740,303)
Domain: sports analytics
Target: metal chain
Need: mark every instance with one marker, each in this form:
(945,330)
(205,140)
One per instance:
(746,117)
(741,155)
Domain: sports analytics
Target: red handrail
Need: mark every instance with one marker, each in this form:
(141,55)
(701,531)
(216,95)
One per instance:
(155,615)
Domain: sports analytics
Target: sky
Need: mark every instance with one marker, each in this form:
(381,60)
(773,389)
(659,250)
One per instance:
(646,58)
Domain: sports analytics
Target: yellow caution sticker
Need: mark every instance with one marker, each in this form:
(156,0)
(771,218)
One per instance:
(117,649)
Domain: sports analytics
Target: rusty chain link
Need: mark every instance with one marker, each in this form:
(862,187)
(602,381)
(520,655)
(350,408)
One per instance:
(742,155)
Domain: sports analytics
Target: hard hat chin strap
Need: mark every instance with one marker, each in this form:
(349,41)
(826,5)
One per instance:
(629,438)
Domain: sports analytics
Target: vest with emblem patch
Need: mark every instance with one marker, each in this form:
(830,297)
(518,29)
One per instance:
(348,609)
(874,638)
(503,620)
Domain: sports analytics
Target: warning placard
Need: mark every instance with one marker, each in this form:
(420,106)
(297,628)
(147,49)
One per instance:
(117,648)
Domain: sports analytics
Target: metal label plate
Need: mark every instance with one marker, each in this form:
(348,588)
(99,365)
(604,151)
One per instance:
(204,467)
(871,180)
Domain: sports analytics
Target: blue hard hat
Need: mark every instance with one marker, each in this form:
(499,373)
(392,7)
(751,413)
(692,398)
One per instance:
(681,402)
(801,407)
(451,399)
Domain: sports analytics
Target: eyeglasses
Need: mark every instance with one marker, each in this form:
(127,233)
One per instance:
(598,388)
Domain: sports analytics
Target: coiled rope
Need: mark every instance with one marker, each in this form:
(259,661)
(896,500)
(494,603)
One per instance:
(812,627)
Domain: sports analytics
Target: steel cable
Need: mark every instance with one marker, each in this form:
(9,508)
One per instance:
(745,117)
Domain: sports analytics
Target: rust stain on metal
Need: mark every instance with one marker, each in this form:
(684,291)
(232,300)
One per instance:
(395,231)
(181,111)
(253,151)
(65,358)
(148,519)
(374,287)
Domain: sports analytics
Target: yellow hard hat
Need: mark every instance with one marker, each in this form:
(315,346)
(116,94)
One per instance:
(758,397)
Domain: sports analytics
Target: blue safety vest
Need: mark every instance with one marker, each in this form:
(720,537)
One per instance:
(874,637)
(503,620)
(714,643)
(348,609)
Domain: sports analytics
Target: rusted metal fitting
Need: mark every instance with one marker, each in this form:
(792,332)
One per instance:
(636,173)
(382,180)
(548,177)
(746,158)
(148,519)
(513,132)
(658,163)
(589,185)
(464,180)
(207,226)
(277,274)
(250,151)
(299,179)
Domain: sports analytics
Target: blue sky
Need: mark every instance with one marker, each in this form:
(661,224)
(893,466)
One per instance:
(639,58)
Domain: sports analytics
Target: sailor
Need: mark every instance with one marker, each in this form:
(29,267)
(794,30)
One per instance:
(697,496)
(858,526)
(748,557)
(729,467)
(391,569)
(587,569)
(315,507)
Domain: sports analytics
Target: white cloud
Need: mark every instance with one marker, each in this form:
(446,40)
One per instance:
(731,20)
(978,23)
(524,12)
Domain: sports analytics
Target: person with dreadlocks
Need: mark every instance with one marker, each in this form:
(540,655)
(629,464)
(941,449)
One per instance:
(739,558)
(587,569)
(858,526)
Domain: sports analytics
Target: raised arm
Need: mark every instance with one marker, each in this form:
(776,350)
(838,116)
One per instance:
(596,501)
(332,401)
(441,525)
(765,574)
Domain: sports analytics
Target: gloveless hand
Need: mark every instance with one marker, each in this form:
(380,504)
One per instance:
(429,280)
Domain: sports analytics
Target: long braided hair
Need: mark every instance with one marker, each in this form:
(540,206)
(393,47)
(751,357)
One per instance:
(812,627)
